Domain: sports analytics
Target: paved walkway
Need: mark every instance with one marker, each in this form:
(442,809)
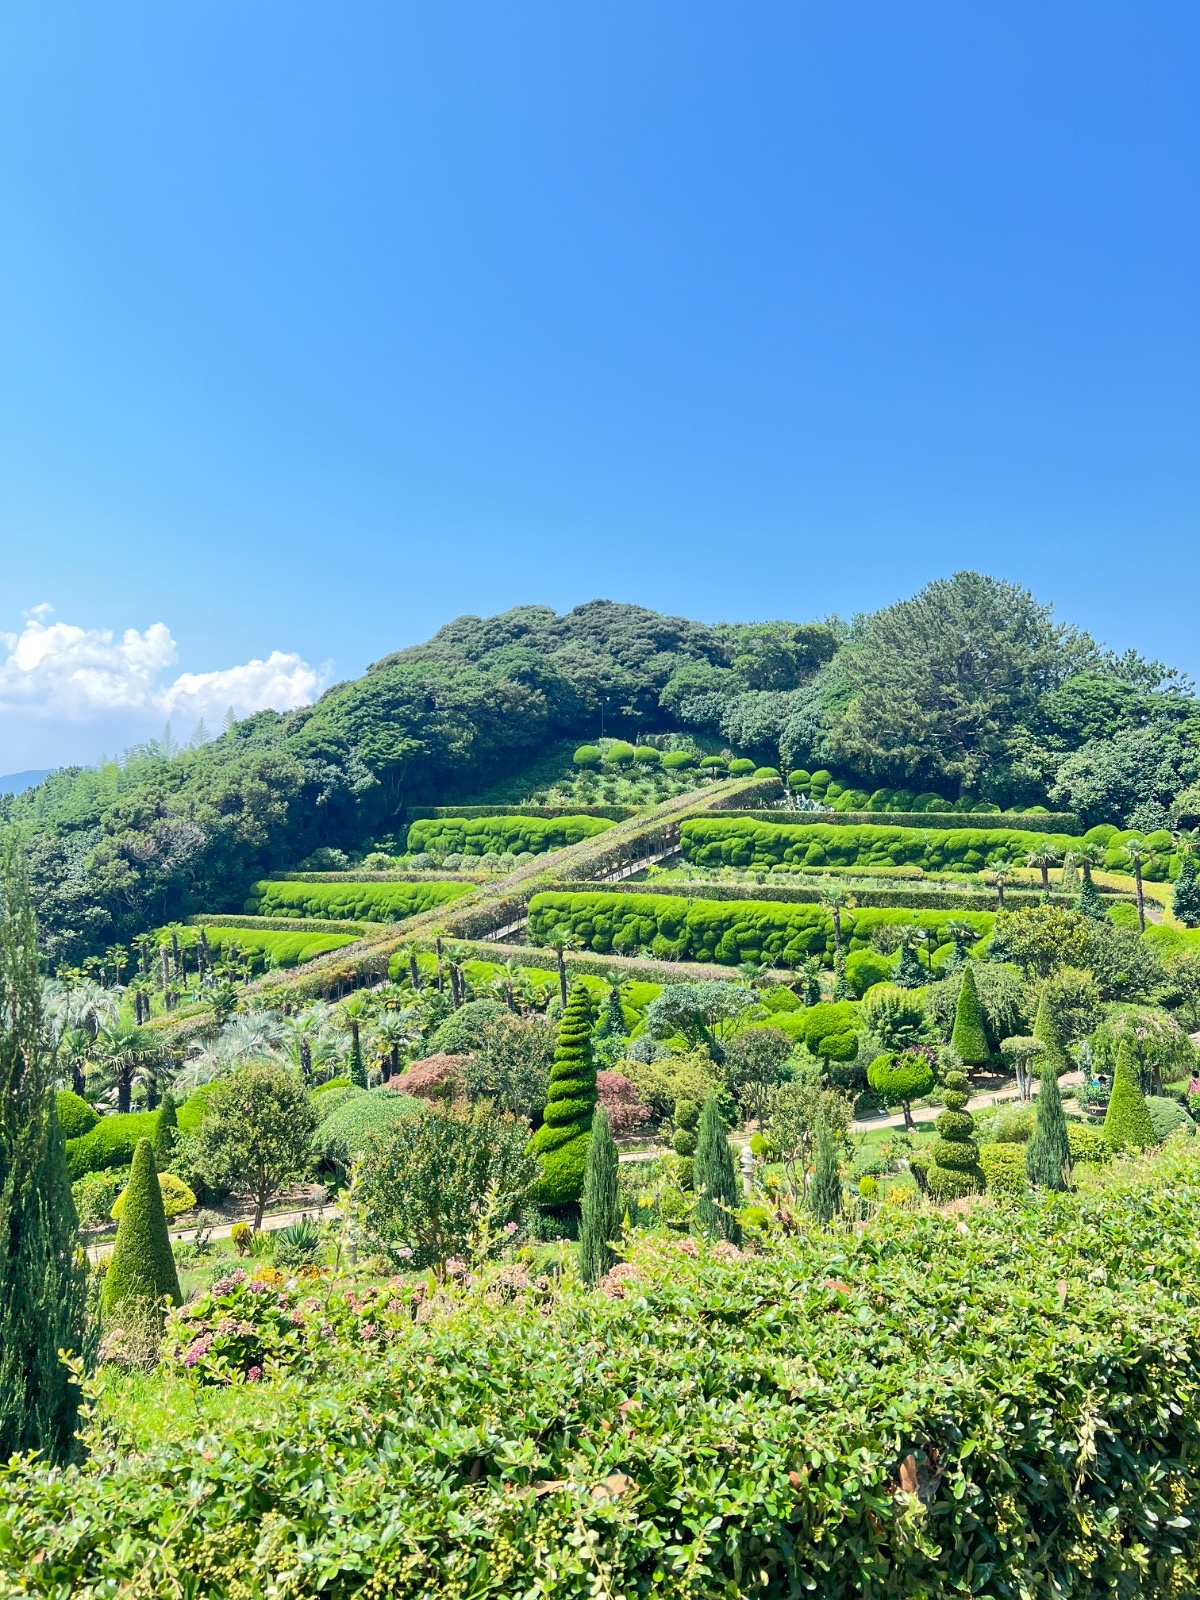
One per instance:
(270,1222)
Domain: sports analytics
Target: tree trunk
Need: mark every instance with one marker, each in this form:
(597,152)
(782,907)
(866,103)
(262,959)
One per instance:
(260,1204)
(908,1121)
(124,1086)
(1045,878)
(306,1060)
(394,1061)
(562,978)
(152,1091)
(166,968)
(414,973)
(508,995)
(77,1079)
(1000,895)
(1141,900)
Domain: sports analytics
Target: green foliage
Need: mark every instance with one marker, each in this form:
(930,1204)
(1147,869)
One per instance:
(42,1284)
(895,1016)
(718,841)
(562,1140)
(718,1192)
(94,1194)
(255,1133)
(1003,1167)
(75,1116)
(899,1079)
(1090,904)
(588,755)
(664,1083)
(110,1143)
(141,1276)
(166,1132)
(480,836)
(600,1221)
(824,1196)
(1048,1153)
(1168,1117)
(1127,1123)
(954,1168)
(969,1039)
(428,1184)
(1053,1058)
(264,948)
(1185,900)
(176,1197)
(350,901)
(865,968)
(464,1029)
(1087,1144)
(347,1128)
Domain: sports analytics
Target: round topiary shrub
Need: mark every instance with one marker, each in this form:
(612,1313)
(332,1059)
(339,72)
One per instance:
(899,1079)
(675,760)
(741,768)
(75,1116)
(1003,1167)
(767,772)
(798,780)
(588,756)
(1087,1144)
(712,764)
(619,754)
(464,1029)
(645,755)
(176,1197)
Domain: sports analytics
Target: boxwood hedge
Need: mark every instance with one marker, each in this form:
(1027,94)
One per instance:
(350,901)
(724,931)
(1002,1404)
(737,842)
(270,947)
(477,836)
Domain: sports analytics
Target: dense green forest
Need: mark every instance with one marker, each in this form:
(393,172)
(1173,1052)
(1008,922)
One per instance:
(970,688)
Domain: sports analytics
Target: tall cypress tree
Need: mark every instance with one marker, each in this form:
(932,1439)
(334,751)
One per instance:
(969,1040)
(562,1140)
(142,1268)
(1185,902)
(824,1197)
(1048,1154)
(601,1209)
(1046,1031)
(718,1194)
(1089,902)
(42,1289)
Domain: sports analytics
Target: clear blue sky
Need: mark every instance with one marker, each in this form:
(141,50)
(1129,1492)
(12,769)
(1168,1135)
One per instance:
(322,324)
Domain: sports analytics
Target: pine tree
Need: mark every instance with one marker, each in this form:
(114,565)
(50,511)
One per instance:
(824,1197)
(1127,1124)
(1089,903)
(969,1040)
(1185,902)
(562,1140)
(718,1194)
(955,1169)
(612,1024)
(166,1132)
(601,1217)
(42,1288)
(1048,1154)
(909,973)
(142,1271)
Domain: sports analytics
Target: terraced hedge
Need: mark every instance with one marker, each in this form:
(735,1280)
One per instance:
(266,947)
(477,836)
(733,842)
(350,901)
(721,931)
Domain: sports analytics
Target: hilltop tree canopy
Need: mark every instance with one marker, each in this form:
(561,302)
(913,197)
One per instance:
(970,686)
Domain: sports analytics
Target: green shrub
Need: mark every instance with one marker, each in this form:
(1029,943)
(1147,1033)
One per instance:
(1127,1123)
(677,760)
(1167,1117)
(741,768)
(798,780)
(464,1029)
(176,1197)
(348,901)
(562,1141)
(479,836)
(865,968)
(1014,1125)
(1087,1144)
(264,948)
(141,1273)
(718,1192)
(898,1080)
(954,1168)
(94,1194)
(75,1116)
(1003,1167)
(110,1143)
(969,1040)
(645,755)
(346,1129)
(588,755)
(740,842)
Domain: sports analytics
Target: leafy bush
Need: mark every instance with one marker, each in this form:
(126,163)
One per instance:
(561,1142)
(272,947)
(75,1116)
(956,1382)
(346,1131)
(677,760)
(464,1029)
(350,901)
(477,836)
(588,755)
(1168,1117)
(1003,1167)
(110,1143)
(1087,1144)
(740,842)
(297,1245)
(898,1080)
(94,1194)
(141,1275)
(176,1196)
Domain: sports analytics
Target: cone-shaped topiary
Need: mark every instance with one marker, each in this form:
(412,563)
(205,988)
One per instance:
(166,1132)
(1185,902)
(1047,1033)
(954,1170)
(1089,902)
(969,1040)
(142,1268)
(718,1194)
(1127,1124)
(1048,1155)
(562,1140)
(824,1197)
(601,1219)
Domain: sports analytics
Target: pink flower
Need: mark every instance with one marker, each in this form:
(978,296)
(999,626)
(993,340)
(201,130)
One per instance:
(229,1281)
(198,1349)
(404,1253)
(510,1227)
(254,1375)
(394,1307)
(369,1330)
(298,1318)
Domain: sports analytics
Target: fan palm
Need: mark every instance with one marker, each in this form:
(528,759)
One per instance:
(1141,856)
(1043,858)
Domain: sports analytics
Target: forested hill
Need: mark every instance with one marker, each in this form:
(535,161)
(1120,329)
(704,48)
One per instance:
(970,687)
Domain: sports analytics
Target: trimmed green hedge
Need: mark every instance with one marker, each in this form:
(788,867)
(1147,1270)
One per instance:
(737,842)
(350,901)
(477,836)
(110,1143)
(265,946)
(726,932)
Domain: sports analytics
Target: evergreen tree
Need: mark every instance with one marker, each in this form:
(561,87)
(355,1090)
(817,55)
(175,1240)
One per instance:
(843,989)
(824,1197)
(1046,1031)
(1127,1124)
(358,1073)
(142,1271)
(909,973)
(718,1193)
(1048,1154)
(1089,902)
(955,1169)
(166,1132)
(612,1024)
(969,1040)
(42,1288)
(601,1216)
(562,1140)
(1185,902)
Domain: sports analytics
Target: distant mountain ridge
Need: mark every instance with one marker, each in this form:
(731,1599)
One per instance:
(17,782)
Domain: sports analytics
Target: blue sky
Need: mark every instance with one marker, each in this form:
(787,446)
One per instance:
(320,325)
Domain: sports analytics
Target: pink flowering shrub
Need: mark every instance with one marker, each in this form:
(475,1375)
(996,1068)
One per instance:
(245,1329)
(626,1113)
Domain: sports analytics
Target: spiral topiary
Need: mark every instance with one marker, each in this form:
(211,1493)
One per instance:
(955,1170)
(562,1140)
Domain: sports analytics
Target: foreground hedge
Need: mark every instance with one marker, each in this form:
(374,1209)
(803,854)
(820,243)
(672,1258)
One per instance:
(940,1406)
(733,842)
(477,836)
(724,931)
(350,901)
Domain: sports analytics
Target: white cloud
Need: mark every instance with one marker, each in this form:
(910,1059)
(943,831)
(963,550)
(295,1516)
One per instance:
(56,675)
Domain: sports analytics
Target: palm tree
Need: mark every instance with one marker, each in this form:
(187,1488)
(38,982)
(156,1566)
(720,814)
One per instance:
(123,1051)
(835,899)
(409,953)
(998,880)
(299,1034)
(560,943)
(1141,856)
(1043,858)
(394,1032)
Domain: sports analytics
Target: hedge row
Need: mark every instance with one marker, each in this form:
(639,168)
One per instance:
(110,1143)
(512,834)
(732,842)
(353,902)
(266,924)
(1022,821)
(614,813)
(933,1406)
(272,948)
(936,897)
(726,932)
